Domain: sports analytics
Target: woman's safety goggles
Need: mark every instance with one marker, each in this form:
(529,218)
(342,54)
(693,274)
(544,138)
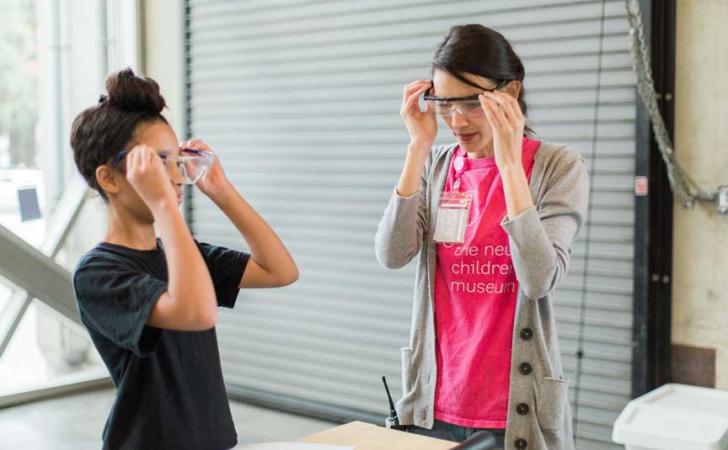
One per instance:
(465,106)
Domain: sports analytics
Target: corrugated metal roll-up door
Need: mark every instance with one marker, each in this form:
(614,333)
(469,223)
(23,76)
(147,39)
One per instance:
(301,101)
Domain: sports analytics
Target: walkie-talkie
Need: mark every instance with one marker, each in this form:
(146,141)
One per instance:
(392,421)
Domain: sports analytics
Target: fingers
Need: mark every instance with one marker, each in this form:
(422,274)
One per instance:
(503,111)
(132,163)
(413,99)
(495,115)
(421,125)
(134,157)
(510,103)
(142,158)
(508,106)
(516,108)
(148,157)
(196,144)
(414,87)
(140,149)
(410,105)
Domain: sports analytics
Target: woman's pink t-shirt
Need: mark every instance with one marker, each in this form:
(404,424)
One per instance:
(475,301)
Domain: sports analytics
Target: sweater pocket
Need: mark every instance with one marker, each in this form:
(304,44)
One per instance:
(406,370)
(552,398)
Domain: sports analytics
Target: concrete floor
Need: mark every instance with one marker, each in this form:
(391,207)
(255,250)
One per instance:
(75,423)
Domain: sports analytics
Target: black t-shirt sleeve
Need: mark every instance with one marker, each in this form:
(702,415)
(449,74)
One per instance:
(226,268)
(115,301)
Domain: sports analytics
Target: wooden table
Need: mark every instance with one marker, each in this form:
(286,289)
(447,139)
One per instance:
(365,436)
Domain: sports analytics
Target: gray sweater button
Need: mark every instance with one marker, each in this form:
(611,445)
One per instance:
(522,409)
(525,368)
(526,334)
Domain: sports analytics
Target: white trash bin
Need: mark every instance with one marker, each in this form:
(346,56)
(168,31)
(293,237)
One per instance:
(675,417)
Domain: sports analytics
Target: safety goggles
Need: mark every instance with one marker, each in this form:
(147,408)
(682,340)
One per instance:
(193,164)
(468,106)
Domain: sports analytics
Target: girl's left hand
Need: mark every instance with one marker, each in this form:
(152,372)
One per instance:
(214,181)
(507,122)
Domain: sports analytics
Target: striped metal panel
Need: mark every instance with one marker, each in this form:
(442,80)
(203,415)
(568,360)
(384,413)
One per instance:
(301,101)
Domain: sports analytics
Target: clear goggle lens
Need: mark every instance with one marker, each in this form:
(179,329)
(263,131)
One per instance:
(468,108)
(192,164)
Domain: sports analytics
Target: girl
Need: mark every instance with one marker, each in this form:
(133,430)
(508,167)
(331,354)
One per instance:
(150,305)
(492,217)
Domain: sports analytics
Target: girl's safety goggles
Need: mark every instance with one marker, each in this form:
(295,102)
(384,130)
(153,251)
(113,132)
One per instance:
(193,164)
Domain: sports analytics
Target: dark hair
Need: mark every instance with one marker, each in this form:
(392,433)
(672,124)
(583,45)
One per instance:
(482,51)
(100,132)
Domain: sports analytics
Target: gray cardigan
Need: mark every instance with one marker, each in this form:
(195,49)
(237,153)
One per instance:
(539,416)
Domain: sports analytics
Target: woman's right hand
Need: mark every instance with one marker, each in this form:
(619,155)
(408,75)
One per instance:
(421,125)
(148,176)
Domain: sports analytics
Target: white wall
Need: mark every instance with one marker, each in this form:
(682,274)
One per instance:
(163,55)
(700,242)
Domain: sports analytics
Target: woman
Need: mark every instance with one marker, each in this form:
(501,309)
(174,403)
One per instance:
(492,217)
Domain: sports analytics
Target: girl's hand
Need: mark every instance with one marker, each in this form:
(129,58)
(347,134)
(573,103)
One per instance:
(148,176)
(214,181)
(421,125)
(507,122)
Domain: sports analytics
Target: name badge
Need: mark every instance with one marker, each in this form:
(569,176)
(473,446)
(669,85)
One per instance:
(452,217)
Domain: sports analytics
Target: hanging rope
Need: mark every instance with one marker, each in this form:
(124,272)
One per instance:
(685,189)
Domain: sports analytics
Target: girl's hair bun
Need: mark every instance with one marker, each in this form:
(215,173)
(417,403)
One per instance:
(130,92)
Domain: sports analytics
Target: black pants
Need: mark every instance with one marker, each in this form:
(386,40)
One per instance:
(456,433)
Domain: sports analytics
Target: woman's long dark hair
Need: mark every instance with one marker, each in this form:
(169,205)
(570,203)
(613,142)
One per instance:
(482,51)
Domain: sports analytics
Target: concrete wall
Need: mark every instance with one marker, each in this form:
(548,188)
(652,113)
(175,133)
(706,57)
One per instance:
(700,255)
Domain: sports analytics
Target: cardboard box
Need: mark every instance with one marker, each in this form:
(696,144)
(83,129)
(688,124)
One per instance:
(365,436)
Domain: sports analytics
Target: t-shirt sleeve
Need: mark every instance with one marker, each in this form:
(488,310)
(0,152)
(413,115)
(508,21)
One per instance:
(115,301)
(226,268)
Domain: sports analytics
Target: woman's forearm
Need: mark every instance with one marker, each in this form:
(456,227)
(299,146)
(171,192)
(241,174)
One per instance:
(516,190)
(414,165)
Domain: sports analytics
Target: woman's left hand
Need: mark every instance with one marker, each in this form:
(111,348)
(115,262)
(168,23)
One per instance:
(507,122)
(214,181)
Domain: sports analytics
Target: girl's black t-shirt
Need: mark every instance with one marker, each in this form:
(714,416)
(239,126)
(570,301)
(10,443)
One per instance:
(170,388)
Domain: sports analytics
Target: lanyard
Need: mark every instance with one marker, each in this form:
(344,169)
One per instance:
(459,166)
(453,209)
